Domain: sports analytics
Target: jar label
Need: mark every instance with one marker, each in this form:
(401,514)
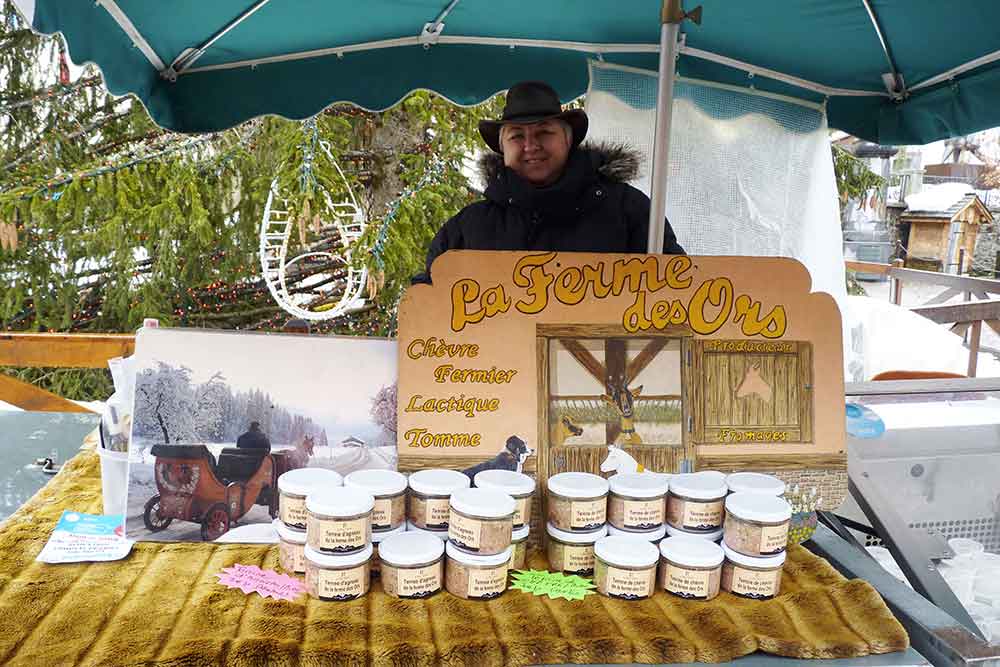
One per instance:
(773,539)
(642,514)
(694,514)
(522,511)
(695,584)
(338,584)
(629,584)
(389,513)
(487,583)
(336,536)
(417,582)
(751,583)
(577,557)
(430,513)
(588,514)
(292,557)
(292,511)
(465,532)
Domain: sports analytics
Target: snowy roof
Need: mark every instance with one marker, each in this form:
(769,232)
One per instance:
(351,438)
(942,200)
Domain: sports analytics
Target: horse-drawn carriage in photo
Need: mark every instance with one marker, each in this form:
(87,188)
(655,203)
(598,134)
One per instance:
(193,486)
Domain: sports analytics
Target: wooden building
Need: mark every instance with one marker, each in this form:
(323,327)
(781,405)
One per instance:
(940,225)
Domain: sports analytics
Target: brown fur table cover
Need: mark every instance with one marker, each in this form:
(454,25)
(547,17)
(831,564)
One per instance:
(162,606)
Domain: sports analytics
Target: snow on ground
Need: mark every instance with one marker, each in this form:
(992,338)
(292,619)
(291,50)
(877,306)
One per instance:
(896,339)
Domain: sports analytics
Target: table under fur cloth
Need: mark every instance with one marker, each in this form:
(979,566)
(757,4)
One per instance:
(162,606)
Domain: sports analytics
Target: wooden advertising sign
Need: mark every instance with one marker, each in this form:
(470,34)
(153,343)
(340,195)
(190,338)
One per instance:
(685,362)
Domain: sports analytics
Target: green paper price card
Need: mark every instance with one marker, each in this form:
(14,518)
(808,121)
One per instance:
(554,584)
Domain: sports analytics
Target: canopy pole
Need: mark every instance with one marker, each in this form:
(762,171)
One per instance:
(670,23)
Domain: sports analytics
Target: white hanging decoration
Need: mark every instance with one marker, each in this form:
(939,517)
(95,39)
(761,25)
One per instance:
(275,231)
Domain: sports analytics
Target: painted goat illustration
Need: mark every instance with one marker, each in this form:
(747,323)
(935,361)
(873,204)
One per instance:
(562,430)
(623,400)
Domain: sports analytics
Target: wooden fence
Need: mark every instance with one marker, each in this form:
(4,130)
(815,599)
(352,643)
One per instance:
(967,318)
(50,350)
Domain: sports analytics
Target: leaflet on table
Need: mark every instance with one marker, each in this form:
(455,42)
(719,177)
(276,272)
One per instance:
(80,537)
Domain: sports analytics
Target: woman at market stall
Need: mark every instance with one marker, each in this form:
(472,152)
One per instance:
(546,191)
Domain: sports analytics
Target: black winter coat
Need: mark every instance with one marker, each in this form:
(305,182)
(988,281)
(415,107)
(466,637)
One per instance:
(592,208)
(253,440)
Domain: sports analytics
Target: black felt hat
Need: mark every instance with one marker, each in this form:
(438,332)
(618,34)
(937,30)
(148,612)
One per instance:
(532,102)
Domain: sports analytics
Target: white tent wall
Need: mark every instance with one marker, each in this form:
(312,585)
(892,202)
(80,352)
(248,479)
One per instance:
(749,174)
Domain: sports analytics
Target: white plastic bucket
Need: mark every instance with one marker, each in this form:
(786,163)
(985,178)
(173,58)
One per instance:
(114,480)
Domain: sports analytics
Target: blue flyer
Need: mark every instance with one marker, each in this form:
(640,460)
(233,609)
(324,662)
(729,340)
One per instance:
(80,537)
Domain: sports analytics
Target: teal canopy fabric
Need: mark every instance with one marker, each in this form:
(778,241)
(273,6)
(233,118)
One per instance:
(294,57)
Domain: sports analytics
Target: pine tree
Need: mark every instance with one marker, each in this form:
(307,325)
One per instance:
(116,219)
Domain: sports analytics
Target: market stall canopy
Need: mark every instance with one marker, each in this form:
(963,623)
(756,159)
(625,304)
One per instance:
(891,72)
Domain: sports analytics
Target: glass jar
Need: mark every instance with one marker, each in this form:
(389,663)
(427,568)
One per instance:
(638,501)
(519,545)
(476,577)
(625,567)
(695,501)
(577,502)
(377,538)
(757,524)
(430,495)
(713,536)
(755,482)
(291,548)
(652,536)
(440,534)
(572,553)
(338,578)
(480,521)
(691,567)
(517,485)
(295,485)
(748,577)
(412,565)
(389,489)
(339,520)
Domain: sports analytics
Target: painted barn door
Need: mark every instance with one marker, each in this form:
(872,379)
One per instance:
(746,392)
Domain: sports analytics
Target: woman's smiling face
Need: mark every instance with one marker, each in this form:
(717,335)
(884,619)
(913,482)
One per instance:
(537,152)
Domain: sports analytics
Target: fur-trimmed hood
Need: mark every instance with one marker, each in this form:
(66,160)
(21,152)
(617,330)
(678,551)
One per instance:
(614,161)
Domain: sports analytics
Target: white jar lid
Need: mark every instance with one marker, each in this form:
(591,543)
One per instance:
(508,481)
(347,560)
(377,482)
(755,482)
(379,535)
(287,534)
(692,552)
(410,549)
(521,533)
(340,501)
(578,485)
(576,538)
(626,551)
(487,503)
(648,535)
(480,561)
(410,528)
(302,481)
(764,563)
(699,485)
(758,507)
(439,481)
(711,536)
(639,484)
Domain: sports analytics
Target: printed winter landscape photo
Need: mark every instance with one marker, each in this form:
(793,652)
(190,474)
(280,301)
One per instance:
(219,416)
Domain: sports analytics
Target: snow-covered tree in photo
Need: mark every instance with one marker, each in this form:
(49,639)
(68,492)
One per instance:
(165,404)
(383,410)
(210,401)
